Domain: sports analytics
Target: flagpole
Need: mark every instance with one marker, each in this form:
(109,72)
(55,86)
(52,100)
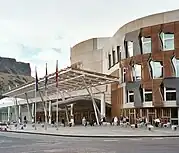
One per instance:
(46,98)
(57,93)
(35,104)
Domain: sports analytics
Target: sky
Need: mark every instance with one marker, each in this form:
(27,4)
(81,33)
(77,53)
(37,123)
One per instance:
(42,31)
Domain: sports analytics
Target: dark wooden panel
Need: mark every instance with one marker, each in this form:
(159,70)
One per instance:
(168,27)
(156,43)
(114,86)
(145,68)
(176,39)
(156,93)
(117,101)
(146,32)
(167,65)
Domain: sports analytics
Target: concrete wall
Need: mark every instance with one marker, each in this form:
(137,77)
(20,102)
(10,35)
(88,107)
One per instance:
(89,53)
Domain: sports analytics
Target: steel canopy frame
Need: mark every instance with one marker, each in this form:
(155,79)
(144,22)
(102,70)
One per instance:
(70,79)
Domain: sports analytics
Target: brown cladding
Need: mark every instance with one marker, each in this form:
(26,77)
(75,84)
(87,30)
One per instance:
(158,55)
(117,101)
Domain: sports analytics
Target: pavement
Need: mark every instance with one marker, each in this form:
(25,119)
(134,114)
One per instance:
(27,143)
(97,131)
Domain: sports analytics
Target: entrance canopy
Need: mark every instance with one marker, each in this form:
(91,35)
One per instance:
(70,80)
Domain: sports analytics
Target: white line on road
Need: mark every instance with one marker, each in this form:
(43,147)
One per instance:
(110,140)
(157,138)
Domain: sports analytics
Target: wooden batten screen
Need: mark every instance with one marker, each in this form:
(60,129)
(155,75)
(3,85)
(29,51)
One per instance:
(117,101)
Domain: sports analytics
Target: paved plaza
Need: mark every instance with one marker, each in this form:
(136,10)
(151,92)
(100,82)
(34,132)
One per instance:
(98,131)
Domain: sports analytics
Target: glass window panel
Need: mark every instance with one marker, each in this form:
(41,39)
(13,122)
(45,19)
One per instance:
(176,66)
(170,96)
(114,57)
(167,41)
(146,45)
(168,35)
(169,44)
(131,98)
(156,69)
(148,97)
(118,53)
(137,72)
(146,39)
(130,48)
(146,48)
(109,60)
(174,112)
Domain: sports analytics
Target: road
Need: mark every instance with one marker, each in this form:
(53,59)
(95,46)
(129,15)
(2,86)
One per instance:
(23,143)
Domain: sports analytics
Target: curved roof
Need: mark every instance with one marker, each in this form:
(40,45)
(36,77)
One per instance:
(154,19)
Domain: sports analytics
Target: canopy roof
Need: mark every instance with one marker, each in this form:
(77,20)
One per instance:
(69,79)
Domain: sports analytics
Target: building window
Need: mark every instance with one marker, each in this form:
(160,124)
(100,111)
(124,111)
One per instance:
(109,60)
(147,95)
(114,57)
(146,45)
(124,74)
(170,94)
(118,53)
(167,40)
(175,63)
(157,69)
(129,49)
(137,72)
(130,97)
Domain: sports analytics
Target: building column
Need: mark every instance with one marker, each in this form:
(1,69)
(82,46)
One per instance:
(71,110)
(103,105)
(50,112)
(33,112)
(9,113)
(141,112)
(19,111)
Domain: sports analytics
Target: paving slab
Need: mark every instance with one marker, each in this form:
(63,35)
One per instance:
(97,131)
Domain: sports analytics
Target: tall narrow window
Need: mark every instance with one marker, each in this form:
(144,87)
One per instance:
(109,60)
(130,48)
(157,69)
(137,72)
(147,95)
(118,53)
(167,40)
(175,63)
(146,45)
(130,96)
(114,57)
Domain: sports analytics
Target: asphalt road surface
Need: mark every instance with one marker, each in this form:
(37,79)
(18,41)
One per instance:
(23,143)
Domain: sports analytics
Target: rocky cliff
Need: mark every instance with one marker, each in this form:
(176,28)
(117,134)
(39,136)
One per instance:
(10,65)
(13,73)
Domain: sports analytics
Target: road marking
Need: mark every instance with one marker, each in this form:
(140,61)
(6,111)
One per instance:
(157,138)
(135,139)
(110,140)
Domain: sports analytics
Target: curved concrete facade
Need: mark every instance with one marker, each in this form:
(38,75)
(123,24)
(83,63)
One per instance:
(89,54)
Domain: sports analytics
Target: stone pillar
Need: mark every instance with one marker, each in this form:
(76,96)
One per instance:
(9,113)
(103,105)
(50,112)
